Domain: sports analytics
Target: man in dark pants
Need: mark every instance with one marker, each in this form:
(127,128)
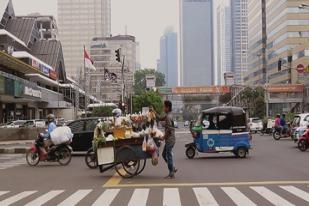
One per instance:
(169,138)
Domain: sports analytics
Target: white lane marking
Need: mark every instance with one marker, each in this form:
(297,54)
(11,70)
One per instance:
(238,197)
(16,198)
(3,192)
(139,197)
(75,198)
(204,197)
(106,198)
(271,196)
(171,197)
(45,198)
(297,192)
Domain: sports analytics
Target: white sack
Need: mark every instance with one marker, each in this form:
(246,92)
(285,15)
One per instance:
(61,135)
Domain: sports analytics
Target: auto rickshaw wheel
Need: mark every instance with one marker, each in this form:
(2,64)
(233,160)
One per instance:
(241,152)
(190,152)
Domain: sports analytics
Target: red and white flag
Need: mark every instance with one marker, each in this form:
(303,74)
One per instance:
(88,61)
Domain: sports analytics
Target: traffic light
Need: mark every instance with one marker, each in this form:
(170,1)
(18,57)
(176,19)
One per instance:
(279,65)
(118,55)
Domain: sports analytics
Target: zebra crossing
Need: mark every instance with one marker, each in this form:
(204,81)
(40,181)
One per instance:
(11,160)
(203,196)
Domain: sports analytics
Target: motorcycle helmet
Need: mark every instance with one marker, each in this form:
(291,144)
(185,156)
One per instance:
(50,118)
(117,113)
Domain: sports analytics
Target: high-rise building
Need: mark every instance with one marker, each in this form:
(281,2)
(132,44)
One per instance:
(224,39)
(239,17)
(169,57)
(286,28)
(196,43)
(79,22)
(232,39)
(257,41)
(102,85)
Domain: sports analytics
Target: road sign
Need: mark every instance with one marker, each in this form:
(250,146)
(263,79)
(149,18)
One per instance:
(300,68)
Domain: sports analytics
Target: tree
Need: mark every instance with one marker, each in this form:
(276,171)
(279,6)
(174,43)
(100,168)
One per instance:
(102,112)
(147,99)
(140,80)
(254,100)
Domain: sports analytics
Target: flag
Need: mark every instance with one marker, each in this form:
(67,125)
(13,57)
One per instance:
(110,76)
(88,61)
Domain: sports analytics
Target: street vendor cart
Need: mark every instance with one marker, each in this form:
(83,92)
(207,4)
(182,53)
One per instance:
(126,156)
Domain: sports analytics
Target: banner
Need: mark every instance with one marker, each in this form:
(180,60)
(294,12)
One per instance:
(202,90)
(285,88)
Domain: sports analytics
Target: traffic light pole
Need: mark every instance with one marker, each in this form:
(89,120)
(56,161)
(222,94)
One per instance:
(123,85)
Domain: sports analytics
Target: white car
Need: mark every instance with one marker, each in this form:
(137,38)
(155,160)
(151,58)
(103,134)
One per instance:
(34,123)
(301,120)
(14,124)
(255,124)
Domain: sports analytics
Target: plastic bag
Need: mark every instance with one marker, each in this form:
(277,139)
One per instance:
(151,146)
(144,146)
(61,135)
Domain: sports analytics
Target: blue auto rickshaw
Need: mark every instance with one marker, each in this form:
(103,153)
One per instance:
(220,129)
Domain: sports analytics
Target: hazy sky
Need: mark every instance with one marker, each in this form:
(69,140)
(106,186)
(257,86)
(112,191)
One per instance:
(145,19)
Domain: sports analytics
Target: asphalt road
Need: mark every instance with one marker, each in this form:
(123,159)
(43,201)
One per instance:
(275,173)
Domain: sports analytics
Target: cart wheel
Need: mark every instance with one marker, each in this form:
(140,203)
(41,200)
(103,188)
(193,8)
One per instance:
(91,159)
(190,152)
(141,166)
(129,163)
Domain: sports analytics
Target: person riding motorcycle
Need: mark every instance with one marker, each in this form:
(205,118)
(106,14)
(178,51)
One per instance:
(283,124)
(45,137)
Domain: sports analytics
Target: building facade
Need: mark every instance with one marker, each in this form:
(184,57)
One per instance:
(169,58)
(79,22)
(224,39)
(103,87)
(196,43)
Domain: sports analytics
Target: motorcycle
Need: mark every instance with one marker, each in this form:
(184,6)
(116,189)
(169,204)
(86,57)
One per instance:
(57,153)
(280,133)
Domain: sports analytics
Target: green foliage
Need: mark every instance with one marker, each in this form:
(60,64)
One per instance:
(147,99)
(254,100)
(140,80)
(102,112)
(290,116)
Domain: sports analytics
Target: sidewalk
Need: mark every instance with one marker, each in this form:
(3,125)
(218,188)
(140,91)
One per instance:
(15,147)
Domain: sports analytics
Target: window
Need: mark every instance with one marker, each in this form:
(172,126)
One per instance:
(224,122)
(77,126)
(91,124)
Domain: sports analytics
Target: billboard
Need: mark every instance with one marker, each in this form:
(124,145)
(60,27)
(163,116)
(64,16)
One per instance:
(285,88)
(201,90)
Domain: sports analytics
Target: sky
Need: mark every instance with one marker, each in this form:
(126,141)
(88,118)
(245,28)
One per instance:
(145,19)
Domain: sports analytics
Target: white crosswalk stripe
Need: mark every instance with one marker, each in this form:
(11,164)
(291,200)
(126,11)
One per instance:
(75,198)
(238,198)
(171,197)
(271,196)
(204,197)
(139,197)
(106,198)
(11,160)
(297,192)
(45,198)
(16,198)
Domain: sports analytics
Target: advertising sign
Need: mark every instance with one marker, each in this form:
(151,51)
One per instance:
(202,90)
(32,92)
(285,88)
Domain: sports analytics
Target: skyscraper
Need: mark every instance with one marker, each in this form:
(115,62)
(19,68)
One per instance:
(232,42)
(196,43)
(169,57)
(79,22)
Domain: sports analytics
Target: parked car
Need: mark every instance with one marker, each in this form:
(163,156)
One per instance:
(83,130)
(13,124)
(255,124)
(299,124)
(34,123)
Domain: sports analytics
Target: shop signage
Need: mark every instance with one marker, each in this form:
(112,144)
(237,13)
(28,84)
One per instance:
(32,92)
(285,88)
(53,75)
(202,90)
(41,67)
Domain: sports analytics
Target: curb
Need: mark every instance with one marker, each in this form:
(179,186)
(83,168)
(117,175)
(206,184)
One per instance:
(13,150)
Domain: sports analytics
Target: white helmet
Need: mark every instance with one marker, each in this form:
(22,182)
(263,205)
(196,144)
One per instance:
(117,113)
(50,118)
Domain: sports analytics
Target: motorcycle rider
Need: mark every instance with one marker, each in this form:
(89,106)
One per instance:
(45,137)
(283,124)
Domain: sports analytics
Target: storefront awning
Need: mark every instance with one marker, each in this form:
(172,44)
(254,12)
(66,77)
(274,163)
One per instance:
(43,79)
(15,64)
